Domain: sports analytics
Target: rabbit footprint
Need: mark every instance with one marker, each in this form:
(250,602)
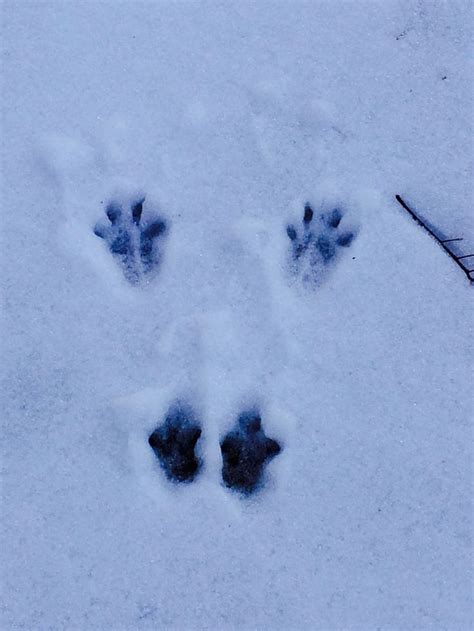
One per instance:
(132,241)
(174,444)
(245,452)
(316,245)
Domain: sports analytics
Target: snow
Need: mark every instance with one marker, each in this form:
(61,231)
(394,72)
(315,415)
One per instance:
(229,117)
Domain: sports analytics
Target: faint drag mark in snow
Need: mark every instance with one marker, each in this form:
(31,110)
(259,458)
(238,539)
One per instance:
(132,241)
(293,131)
(241,328)
(66,157)
(316,243)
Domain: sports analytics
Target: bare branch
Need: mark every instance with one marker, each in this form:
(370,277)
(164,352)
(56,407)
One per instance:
(419,221)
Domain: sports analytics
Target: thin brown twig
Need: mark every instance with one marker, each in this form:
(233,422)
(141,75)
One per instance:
(441,242)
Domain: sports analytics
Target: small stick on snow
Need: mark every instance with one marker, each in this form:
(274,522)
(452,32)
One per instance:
(419,221)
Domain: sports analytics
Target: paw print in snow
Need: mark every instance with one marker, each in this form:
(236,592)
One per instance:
(245,451)
(174,444)
(132,241)
(317,243)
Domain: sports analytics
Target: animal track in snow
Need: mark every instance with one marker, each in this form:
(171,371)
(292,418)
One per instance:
(174,443)
(132,241)
(245,451)
(317,243)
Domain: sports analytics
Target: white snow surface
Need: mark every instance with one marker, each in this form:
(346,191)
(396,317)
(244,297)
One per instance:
(229,116)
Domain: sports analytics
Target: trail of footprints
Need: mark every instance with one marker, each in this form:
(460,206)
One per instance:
(135,239)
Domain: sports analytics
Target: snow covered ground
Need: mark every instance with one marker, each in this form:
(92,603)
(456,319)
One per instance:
(228,117)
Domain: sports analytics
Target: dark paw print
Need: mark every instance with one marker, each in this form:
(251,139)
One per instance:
(318,241)
(245,451)
(174,444)
(131,240)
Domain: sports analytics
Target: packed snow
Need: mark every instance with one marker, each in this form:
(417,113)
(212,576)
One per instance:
(215,128)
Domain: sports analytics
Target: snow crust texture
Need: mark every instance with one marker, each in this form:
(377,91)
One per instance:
(236,387)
